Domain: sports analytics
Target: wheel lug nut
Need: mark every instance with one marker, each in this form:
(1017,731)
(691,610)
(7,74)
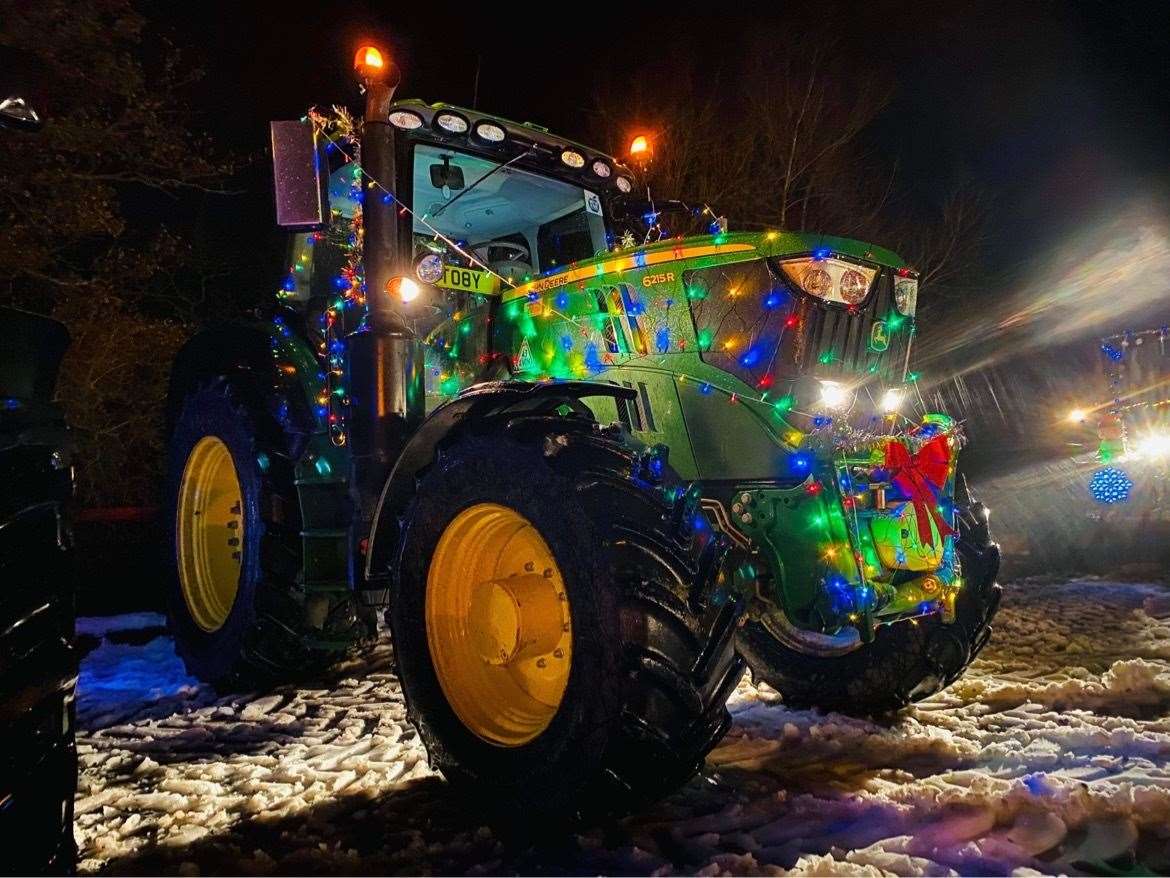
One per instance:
(541,662)
(529,566)
(548,573)
(558,653)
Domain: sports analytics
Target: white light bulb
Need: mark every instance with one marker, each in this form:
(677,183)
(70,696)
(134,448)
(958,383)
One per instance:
(892,400)
(1154,446)
(834,395)
(408,290)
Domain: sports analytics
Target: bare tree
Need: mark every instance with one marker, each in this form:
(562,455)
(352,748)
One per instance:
(772,134)
(80,230)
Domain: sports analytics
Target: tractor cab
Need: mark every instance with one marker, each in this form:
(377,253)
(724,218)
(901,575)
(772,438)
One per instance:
(484,204)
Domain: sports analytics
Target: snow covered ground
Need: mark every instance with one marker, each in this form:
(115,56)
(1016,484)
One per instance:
(1051,755)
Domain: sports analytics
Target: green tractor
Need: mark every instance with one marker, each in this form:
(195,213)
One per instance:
(548,580)
(461,407)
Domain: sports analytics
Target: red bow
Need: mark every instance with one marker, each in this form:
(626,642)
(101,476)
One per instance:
(920,478)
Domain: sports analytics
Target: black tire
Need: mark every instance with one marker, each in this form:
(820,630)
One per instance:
(261,642)
(907,661)
(650,674)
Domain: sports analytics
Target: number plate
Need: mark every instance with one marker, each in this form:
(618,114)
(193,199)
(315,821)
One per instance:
(469,280)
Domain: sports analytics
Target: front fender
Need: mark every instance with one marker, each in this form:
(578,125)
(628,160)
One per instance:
(480,407)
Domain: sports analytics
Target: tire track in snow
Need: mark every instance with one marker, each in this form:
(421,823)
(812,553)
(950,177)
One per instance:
(1053,754)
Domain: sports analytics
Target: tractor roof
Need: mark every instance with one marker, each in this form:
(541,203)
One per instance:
(547,148)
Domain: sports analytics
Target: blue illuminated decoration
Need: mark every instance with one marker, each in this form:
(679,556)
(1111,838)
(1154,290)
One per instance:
(1110,485)
(1111,352)
(822,253)
(592,359)
(751,357)
(799,463)
(662,339)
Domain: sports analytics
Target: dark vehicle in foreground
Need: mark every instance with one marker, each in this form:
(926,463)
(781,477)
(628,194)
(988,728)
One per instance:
(38,663)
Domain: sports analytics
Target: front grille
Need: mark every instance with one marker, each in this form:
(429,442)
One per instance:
(845,339)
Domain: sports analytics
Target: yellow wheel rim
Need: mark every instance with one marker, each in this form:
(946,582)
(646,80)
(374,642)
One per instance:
(498,624)
(210,527)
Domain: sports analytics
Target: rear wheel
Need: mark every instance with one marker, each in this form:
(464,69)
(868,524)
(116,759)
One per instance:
(542,630)
(233,602)
(907,661)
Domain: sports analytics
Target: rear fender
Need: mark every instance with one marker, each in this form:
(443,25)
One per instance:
(267,362)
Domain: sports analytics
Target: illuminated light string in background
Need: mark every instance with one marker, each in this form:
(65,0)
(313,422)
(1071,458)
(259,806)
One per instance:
(1110,485)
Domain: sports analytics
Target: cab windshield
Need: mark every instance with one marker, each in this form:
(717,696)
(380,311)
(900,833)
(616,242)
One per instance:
(517,222)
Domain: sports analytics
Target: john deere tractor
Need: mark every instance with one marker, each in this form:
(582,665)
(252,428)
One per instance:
(548,577)
(460,409)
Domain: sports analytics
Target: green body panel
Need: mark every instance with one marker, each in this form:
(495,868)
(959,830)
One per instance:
(623,317)
(322,479)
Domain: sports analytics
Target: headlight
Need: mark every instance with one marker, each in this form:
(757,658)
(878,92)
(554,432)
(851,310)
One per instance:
(854,286)
(905,295)
(835,395)
(831,279)
(406,119)
(892,400)
(601,169)
(430,268)
(490,132)
(1154,445)
(624,184)
(572,158)
(403,288)
(817,282)
(452,123)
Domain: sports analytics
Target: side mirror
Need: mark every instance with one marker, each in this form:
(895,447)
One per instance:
(301,175)
(16,113)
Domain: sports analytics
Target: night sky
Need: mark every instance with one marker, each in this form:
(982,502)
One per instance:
(1056,111)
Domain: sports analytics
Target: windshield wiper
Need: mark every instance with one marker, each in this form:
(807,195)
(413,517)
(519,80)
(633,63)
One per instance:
(512,161)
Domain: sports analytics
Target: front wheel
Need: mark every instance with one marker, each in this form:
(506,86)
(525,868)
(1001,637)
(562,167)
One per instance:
(907,661)
(543,637)
(234,604)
